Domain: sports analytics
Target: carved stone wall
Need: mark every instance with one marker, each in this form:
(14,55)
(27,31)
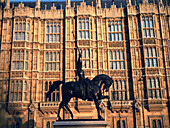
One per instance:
(138,109)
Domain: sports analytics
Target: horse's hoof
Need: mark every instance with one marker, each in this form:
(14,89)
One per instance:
(59,118)
(100,117)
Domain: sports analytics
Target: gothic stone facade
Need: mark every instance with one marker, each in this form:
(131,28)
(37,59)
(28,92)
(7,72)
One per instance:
(130,43)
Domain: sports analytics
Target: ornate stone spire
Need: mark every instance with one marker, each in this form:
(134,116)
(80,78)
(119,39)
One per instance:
(7,3)
(161,2)
(99,3)
(37,3)
(129,2)
(67,3)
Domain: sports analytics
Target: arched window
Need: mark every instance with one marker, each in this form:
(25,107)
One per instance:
(118,55)
(154,52)
(22,55)
(116,85)
(150,52)
(79,25)
(16,86)
(87,25)
(83,34)
(12,86)
(18,55)
(118,124)
(157,83)
(13,125)
(20,86)
(58,56)
(25,86)
(153,83)
(14,55)
(79,34)
(25,89)
(58,37)
(47,28)
(51,29)
(20,26)
(54,56)
(114,55)
(47,56)
(20,91)
(12,90)
(58,66)
(84,53)
(113,28)
(109,27)
(26,55)
(23,27)
(116,27)
(153,123)
(149,83)
(52,125)
(122,55)
(150,86)
(159,124)
(87,34)
(48,125)
(54,66)
(83,25)
(16,27)
(58,29)
(88,53)
(110,55)
(120,85)
(147,55)
(123,124)
(153,86)
(55,29)
(120,27)
(51,56)
(123,84)
(28,27)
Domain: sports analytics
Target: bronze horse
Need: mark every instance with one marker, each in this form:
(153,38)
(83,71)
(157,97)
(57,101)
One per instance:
(93,92)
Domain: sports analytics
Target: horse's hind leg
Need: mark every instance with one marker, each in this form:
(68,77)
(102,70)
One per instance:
(60,106)
(69,111)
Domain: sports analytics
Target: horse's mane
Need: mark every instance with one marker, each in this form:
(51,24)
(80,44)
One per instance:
(102,79)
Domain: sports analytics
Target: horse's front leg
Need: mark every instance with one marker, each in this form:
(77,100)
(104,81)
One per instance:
(109,106)
(69,111)
(98,108)
(58,114)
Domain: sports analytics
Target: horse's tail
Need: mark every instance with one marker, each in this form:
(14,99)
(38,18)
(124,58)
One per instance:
(53,87)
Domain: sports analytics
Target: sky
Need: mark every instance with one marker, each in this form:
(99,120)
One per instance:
(42,0)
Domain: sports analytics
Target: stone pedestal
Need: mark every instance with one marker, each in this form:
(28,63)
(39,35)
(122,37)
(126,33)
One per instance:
(80,124)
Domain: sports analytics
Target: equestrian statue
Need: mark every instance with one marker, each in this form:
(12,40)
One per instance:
(84,89)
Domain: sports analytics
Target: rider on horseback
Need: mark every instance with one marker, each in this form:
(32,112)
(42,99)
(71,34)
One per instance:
(82,80)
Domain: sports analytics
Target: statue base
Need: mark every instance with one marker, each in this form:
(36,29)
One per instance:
(80,123)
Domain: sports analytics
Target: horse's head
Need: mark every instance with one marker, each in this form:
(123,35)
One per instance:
(107,85)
